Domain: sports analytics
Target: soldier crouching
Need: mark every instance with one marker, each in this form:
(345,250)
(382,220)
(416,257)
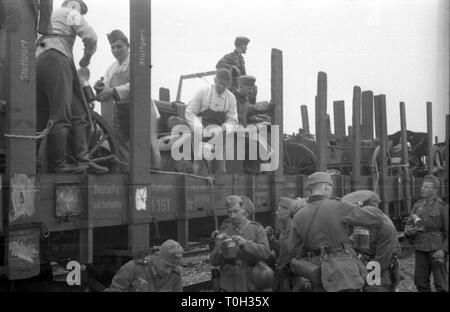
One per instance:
(240,251)
(151,274)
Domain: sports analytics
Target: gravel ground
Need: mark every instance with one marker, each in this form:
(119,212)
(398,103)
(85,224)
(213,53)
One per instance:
(197,269)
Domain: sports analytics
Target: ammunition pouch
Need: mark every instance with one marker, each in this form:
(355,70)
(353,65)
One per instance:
(306,269)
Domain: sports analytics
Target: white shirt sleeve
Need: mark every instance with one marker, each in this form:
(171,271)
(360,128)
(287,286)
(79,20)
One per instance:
(193,109)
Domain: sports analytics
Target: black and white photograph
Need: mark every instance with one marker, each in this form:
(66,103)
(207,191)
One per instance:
(207,147)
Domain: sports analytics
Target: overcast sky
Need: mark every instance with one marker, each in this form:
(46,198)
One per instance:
(398,47)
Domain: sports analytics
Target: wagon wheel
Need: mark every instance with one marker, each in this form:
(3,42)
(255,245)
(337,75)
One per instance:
(298,159)
(103,143)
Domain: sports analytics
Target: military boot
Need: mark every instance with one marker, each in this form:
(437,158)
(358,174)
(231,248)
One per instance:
(79,141)
(57,143)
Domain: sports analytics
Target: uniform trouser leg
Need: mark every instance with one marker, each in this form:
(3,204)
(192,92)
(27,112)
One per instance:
(440,275)
(422,271)
(54,97)
(80,130)
(121,128)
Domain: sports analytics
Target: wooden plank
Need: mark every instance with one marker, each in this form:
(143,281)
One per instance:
(140,125)
(367,115)
(86,246)
(356,159)
(321,127)
(339,119)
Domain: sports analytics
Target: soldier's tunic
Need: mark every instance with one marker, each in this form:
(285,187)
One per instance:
(384,245)
(330,231)
(236,277)
(233,59)
(141,276)
(426,243)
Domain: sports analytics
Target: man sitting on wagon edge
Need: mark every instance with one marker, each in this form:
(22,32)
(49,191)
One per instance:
(212,105)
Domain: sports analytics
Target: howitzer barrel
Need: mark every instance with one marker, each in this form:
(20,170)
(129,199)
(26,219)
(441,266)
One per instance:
(380,116)
(367,115)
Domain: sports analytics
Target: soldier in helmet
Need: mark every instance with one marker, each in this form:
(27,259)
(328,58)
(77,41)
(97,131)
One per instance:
(383,245)
(319,234)
(240,245)
(151,274)
(427,228)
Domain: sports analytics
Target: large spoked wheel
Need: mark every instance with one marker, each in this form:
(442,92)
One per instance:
(103,144)
(299,159)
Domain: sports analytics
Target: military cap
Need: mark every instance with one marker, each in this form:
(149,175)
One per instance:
(241,41)
(117,35)
(246,80)
(319,177)
(223,74)
(296,205)
(360,197)
(248,206)
(432,179)
(283,206)
(83,6)
(171,253)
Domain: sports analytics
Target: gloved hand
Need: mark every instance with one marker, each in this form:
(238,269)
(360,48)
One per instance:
(239,240)
(440,254)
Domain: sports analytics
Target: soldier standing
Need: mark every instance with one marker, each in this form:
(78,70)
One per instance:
(427,228)
(383,246)
(240,245)
(234,61)
(151,274)
(320,234)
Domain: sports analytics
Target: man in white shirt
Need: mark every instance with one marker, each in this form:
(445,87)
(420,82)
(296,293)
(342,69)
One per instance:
(213,105)
(114,93)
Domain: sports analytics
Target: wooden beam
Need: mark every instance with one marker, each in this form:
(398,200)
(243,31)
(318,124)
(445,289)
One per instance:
(380,115)
(405,158)
(339,119)
(430,137)
(140,125)
(321,126)
(277,97)
(21,86)
(356,159)
(305,119)
(367,116)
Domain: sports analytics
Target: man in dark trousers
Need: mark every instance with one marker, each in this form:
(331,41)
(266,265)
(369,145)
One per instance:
(427,229)
(234,61)
(320,233)
(59,95)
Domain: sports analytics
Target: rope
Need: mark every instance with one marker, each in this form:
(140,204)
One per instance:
(40,136)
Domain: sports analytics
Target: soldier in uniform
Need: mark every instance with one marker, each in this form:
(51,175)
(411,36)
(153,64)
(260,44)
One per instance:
(284,280)
(246,110)
(320,234)
(234,61)
(151,274)
(384,246)
(251,246)
(427,228)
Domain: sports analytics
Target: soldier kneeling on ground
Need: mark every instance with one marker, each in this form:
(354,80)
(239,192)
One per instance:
(152,274)
(377,244)
(241,247)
